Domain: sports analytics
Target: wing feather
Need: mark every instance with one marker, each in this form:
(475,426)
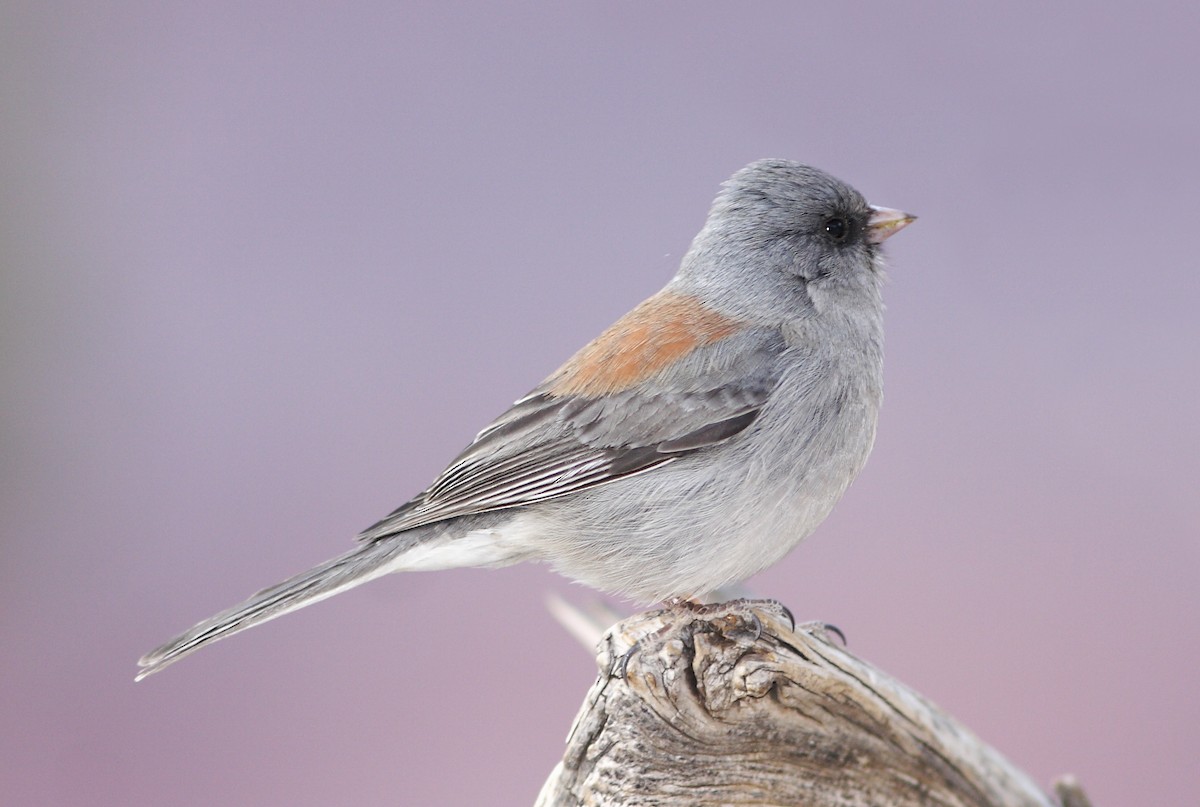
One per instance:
(549,445)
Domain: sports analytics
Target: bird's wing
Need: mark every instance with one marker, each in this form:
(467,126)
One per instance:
(598,419)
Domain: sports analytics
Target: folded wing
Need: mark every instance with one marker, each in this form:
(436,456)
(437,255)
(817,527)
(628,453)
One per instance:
(565,437)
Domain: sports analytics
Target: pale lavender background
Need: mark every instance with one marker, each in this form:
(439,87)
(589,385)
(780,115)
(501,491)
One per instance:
(265,271)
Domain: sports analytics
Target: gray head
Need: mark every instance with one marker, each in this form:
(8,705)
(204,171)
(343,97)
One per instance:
(789,234)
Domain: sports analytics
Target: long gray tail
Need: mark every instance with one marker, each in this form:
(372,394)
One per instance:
(354,568)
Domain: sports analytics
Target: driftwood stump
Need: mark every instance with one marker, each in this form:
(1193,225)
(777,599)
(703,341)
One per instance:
(730,705)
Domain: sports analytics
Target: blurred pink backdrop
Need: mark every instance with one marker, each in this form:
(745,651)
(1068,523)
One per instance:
(265,270)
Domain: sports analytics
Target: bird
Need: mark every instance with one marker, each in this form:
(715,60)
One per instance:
(692,444)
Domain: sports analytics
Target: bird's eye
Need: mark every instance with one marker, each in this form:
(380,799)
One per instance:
(837,228)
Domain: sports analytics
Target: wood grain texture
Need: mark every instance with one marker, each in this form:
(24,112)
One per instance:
(658,332)
(731,706)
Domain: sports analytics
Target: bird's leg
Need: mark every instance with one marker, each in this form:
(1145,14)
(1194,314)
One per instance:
(672,605)
(729,618)
(695,606)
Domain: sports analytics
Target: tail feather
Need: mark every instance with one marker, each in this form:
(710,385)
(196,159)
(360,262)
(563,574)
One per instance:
(366,562)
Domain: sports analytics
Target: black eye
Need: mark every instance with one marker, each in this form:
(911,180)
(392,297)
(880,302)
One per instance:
(837,228)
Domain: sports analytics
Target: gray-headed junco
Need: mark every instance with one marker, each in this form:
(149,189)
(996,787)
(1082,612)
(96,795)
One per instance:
(690,445)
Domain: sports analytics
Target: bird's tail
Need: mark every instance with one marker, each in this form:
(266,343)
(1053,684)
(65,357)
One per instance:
(368,561)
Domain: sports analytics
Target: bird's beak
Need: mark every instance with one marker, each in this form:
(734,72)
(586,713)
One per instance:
(884,221)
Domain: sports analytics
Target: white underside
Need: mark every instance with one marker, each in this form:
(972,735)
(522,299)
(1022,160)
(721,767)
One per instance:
(480,548)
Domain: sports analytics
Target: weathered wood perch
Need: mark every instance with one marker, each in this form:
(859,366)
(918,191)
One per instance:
(730,705)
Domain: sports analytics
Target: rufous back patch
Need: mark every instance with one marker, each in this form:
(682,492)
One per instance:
(658,332)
